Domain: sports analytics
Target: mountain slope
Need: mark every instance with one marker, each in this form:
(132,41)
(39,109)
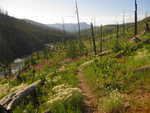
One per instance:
(111,29)
(19,38)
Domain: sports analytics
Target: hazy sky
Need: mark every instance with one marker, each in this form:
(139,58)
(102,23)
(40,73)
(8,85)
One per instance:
(52,11)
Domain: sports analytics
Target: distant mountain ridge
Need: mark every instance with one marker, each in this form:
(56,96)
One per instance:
(39,24)
(70,27)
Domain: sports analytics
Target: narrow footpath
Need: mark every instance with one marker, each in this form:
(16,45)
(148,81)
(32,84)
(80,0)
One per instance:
(90,99)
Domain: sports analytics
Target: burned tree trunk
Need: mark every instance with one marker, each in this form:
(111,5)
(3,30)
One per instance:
(78,19)
(124,26)
(93,39)
(117,32)
(147,29)
(101,39)
(64,31)
(136,18)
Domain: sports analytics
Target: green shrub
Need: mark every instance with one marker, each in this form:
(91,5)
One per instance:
(70,79)
(13,83)
(113,103)
(116,46)
(73,105)
(66,100)
(72,49)
(25,109)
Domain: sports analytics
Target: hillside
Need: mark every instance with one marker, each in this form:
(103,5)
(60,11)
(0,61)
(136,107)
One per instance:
(111,29)
(70,79)
(19,37)
(61,68)
(87,84)
(40,24)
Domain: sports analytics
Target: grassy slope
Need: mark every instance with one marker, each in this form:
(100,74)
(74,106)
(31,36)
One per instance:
(118,88)
(121,89)
(109,34)
(56,71)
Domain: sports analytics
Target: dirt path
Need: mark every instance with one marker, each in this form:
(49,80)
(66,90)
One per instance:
(90,99)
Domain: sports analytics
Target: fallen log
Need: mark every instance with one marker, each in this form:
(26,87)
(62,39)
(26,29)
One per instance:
(142,69)
(10,101)
(104,53)
(119,54)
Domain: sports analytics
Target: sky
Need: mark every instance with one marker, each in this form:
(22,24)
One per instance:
(97,11)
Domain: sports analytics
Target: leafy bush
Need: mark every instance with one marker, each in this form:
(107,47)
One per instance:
(113,103)
(72,49)
(147,47)
(25,109)
(104,72)
(66,100)
(73,105)
(116,46)
(127,49)
(75,48)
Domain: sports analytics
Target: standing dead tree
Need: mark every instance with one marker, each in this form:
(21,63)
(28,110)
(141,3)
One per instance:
(78,19)
(124,27)
(117,32)
(101,39)
(93,39)
(64,31)
(147,29)
(136,19)
(117,45)
(63,26)
(81,45)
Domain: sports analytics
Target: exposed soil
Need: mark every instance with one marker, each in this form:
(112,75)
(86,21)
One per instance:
(40,66)
(90,99)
